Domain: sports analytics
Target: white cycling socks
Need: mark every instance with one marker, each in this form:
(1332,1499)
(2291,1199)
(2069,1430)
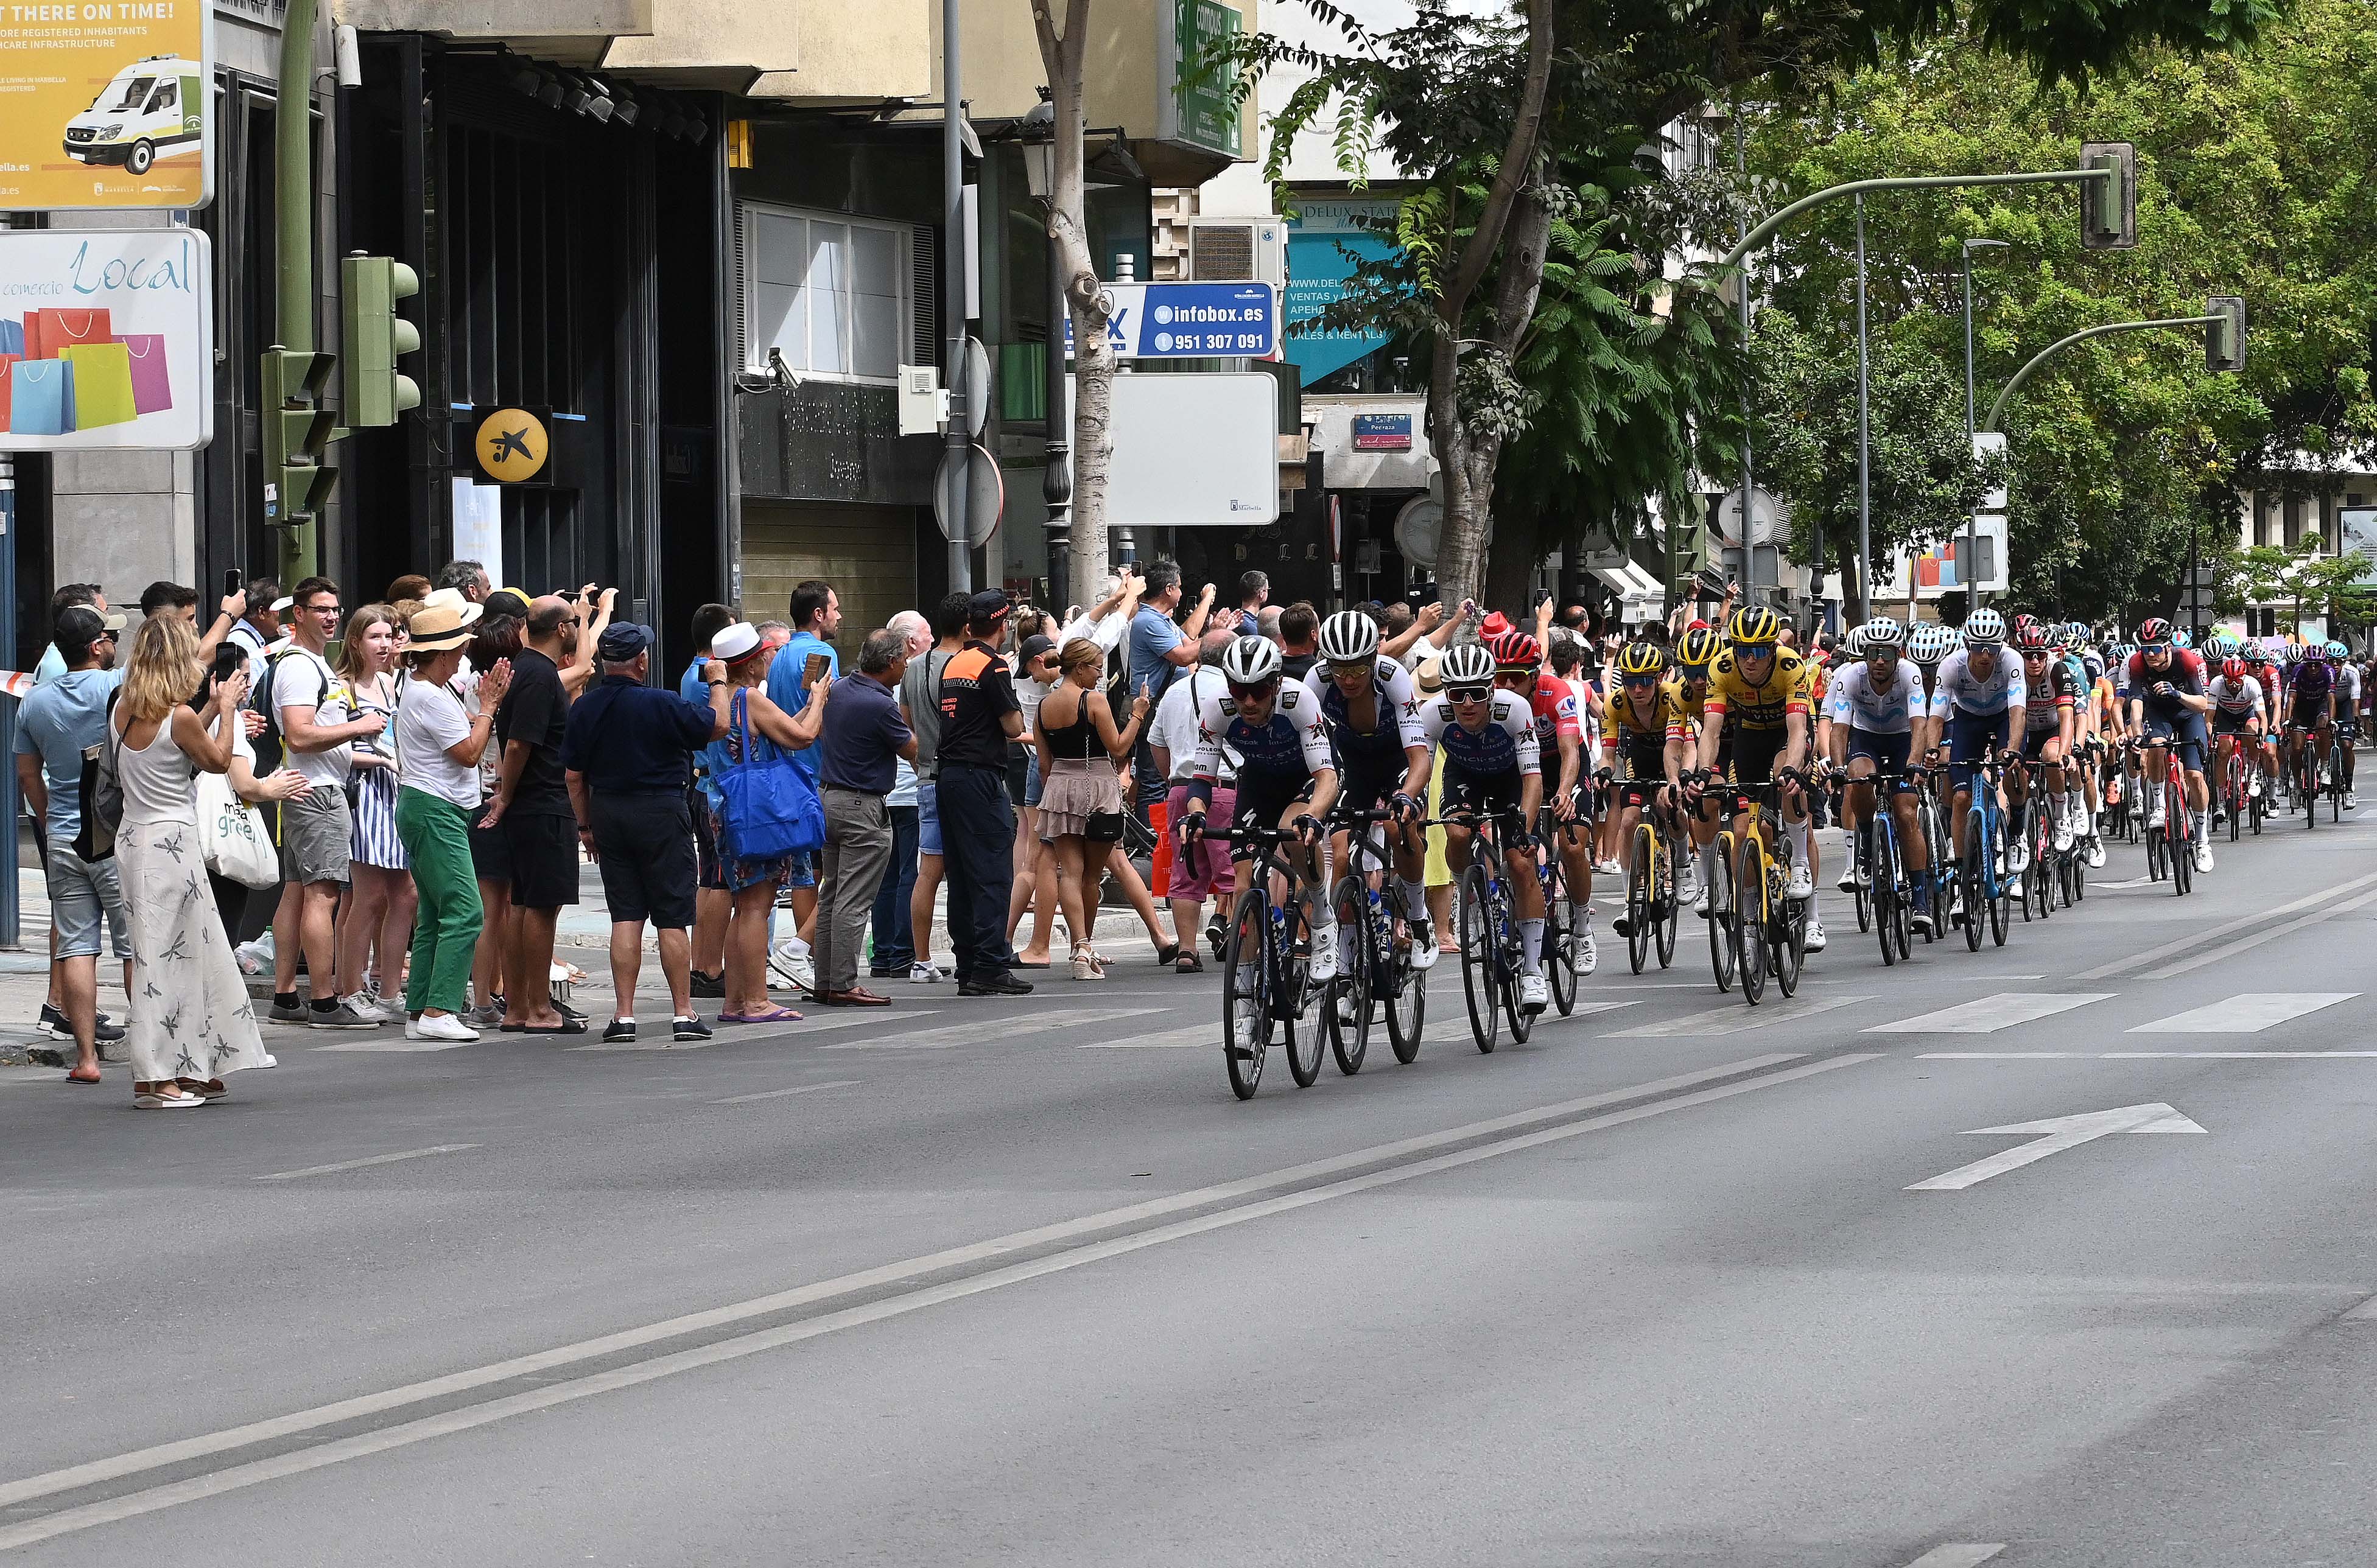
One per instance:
(1531,943)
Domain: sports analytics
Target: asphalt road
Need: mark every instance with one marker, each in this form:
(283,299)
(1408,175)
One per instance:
(1020,1281)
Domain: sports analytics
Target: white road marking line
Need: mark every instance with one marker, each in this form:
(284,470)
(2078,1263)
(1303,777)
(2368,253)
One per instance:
(2053,1136)
(2365,1313)
(1991,1013)
(992,1030)
(649,1045)
(780,1094)
(359,1164)
(2133,882)
(396,1046)
(2309,900)
(2141,1055)
(2248,1012)
(466,1418)
(1170,1039)
(1734,1021)
(96,1471)
(1958,1554)
(2243,944)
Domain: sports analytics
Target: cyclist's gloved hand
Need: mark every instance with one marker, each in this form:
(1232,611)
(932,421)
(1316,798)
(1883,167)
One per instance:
(1307,829)
(1192,828)
(1403,806)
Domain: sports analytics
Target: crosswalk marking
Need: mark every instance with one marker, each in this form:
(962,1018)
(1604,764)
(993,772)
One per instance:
(2142,1055)
(1991,1013)
(2247,1013)
(1736,1018)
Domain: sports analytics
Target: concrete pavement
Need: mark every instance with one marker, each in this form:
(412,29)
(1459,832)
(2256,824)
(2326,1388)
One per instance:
(1007,1281)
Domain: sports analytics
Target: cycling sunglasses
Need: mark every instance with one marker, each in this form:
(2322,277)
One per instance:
(1469,694)
(1633,680)
(1263,690)
(1361,668)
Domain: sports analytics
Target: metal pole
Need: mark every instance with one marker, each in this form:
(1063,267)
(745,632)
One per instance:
(1972,518)
(1057,479)
(1997,408)
(954,262)
(292,125)
(8,797)
(1904,183)
(1749,532)
(1864,442)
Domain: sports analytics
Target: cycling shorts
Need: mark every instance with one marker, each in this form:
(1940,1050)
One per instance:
(1640,758)
(1887,753)
(1262,802)
(2033,742)
(1971,736)
(2187,730)
(1754,752)
(1368,786)
(2308,712)
(2229,723)
(1486,793)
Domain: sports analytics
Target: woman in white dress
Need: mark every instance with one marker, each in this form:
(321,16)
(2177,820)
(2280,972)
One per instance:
(191,1022)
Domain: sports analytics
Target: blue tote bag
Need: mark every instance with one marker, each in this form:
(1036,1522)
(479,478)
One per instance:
(41,400)
(767,808)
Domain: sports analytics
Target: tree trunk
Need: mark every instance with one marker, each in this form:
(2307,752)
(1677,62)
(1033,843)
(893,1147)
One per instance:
(1094,358)
(1518,545)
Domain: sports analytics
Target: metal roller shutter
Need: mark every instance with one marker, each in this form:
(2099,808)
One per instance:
(868,553)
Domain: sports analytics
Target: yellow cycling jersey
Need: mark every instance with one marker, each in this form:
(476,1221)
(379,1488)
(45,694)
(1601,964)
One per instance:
(1786,691)
(1618,715)
(1685,711)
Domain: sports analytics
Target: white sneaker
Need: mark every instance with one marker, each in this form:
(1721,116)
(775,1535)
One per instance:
(1815,934)
(1535,994)
(2155,817)
(2202,856)
(921,973)
(1588,950)
(1607,868)
(367,1005)
(1324,960)
(1700,902)
(1689,890)
(2096,852)
(1242,1031)
(448,1027)
(2351,802)
(1801,885)
(2253,787)
(791,959)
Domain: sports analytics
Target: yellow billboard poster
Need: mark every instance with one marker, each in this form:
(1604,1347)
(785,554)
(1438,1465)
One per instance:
(105,103)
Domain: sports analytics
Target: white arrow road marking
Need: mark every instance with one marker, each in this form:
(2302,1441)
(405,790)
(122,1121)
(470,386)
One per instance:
(2247,1013)
(2053,1136)
(1991,1013)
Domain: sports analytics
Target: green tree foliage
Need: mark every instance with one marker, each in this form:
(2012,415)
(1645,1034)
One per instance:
(2252,181)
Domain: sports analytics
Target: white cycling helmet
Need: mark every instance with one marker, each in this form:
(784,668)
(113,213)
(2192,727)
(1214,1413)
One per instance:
(1880,633)
(1466,664)
(1984,628)
(1930,643)
(1250,662)
(1348,638)
(1853,645)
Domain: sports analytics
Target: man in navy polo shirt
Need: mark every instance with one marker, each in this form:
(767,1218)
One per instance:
(867,740)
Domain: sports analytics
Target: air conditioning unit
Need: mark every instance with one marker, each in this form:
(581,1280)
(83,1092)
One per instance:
(1237,250)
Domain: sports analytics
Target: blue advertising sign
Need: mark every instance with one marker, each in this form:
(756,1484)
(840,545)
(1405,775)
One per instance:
(1325,240)
(1189,321)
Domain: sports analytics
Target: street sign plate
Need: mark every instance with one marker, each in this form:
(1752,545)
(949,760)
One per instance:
(986,495)
(1194,451)
(1188,321)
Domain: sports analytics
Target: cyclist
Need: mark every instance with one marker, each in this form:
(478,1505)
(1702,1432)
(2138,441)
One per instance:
(1518,669)
(2262,664)
(2101,734)
(2238,712)
(1286,777)
(1372,711)
(1980,702)
(2347,712)
(2309,710)
(1761,687)
(1492,766)
(1637,718)
(2168,707)
(2050,698)
(1872,706)
(1927,645)
(1686,695)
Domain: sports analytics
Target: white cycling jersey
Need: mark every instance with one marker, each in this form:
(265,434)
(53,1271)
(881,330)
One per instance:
(1958,690)
(1875,707)
(2348,689)
(1505,743)
(1395,715)
(1292,745)
(2238,699)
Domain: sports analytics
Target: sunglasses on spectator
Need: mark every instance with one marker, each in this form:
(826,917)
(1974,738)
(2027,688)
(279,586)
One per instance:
(1469,694)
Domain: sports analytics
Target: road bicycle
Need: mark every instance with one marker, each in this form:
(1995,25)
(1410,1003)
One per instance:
(2302,775)
(2339,743)
(1653,908)
(2121,821)
(1266,964)
(1931,820)
(2171,844)
(1883,861)
(1559,941)
(1981,891)
(1754,930)
(1491,948)
(2238,803)
(1379,978)
(2042,869)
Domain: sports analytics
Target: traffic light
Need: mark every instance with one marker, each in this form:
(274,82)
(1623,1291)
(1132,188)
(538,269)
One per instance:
(2223,341)
(2108,204)
(297,428)
(375,335)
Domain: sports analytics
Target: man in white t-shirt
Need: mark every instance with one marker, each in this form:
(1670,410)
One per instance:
(312,708)
(1202,871)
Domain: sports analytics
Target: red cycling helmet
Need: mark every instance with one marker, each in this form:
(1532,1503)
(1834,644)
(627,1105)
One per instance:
(2232,670)
(2029,637)
(1514,650)
(2157,630)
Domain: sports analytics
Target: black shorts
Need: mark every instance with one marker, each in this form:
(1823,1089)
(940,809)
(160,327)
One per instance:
(490,851)
(544,860)
(1754,752)
(645,848)
(1366,784)
(1640,758)
(1262,802)
(1486,793)
(2228,723)
(2035,741)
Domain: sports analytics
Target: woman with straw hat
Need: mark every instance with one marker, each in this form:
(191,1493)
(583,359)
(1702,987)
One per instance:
(437,750)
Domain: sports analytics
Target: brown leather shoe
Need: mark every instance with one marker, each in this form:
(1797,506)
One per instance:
(857,996)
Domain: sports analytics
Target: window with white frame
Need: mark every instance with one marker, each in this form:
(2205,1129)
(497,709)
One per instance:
(832,293)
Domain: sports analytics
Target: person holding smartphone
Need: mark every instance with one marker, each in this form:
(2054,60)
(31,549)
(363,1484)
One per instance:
(807,657)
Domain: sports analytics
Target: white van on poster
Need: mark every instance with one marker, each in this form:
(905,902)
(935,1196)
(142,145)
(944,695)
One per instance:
(106,339)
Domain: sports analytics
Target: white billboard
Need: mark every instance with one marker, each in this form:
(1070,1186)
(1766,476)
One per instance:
(1194,451)
(106,339)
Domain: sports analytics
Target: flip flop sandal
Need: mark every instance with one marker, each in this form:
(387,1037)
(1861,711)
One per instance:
(566,1026)
(773,1015)
(74,1076)
(163,1096)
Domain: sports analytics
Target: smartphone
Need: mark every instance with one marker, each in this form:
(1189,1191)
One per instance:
(814,669)
(233,580)
(230,658)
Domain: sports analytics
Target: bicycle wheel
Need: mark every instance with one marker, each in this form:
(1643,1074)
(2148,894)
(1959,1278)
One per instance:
(1559,963)
(1347,1005)
(1974,884)
(1885,894)
(1407,1009)
(1749,921)
(1669,908)
(1245,991)
(1479,940)
(2000,914)
(2335,785)
(1787,935)
(1640,909)
(1862,858)
(1724,952)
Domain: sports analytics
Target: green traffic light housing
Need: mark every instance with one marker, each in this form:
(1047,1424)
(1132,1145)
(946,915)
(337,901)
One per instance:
(2108,203)
(2223,341)
(297,428)
(375,336)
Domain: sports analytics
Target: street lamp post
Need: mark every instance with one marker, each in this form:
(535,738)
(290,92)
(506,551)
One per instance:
(1039,129)
(1865,446)
(1972,522)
